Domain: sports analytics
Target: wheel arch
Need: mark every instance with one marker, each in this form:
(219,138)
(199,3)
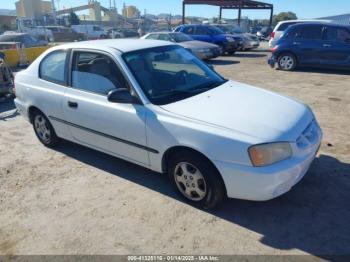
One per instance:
(176,149)
(288,52)
(31,112)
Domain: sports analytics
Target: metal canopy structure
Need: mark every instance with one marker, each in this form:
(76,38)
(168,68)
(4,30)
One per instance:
(230,4)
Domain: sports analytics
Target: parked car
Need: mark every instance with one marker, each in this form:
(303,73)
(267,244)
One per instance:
(129,32)
(65,34)
(210,34)
(155,104)
(91,31)
(264,34)
(40,33)
(114,33)
(313,44)
(25,40)
(6,77)
(201,49)
(246,41)
(282,26)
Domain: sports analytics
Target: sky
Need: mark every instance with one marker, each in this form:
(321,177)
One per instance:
(303,8)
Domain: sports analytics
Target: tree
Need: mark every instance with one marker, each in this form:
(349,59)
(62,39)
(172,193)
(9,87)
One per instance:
(284,16)
(73,18)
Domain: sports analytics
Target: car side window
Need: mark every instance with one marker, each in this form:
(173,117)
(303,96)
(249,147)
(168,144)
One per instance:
(189,30)
(338,34)
(96,73)
(53,67)
(312,32)
(201,30)
(152,36)
(164,37)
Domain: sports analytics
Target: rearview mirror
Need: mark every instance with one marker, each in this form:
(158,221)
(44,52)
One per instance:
(122,96)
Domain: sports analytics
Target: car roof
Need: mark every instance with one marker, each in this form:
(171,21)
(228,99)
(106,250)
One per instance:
(123,45)
(318,23)
(303,20)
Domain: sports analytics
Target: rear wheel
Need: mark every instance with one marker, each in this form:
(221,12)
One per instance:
(287,62)
(196,180)
(44,130)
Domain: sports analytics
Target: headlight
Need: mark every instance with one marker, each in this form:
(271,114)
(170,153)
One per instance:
(267,154)
(230,39)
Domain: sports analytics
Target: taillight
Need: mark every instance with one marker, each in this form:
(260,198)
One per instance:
(273,35)
(274,48)
(14,87)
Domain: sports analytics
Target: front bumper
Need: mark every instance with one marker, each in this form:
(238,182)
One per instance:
(251,44)
(265,183)
(209,54)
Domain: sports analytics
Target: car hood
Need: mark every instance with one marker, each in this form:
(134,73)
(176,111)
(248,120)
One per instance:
(248,110)
(197,44)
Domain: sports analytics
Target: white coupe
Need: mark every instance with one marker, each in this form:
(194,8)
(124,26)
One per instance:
(155,104)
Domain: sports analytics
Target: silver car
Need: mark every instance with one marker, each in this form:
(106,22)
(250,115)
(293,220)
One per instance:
(203,50)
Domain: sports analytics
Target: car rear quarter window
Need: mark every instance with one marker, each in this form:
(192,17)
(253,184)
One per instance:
(341,35)
(53,67)
(311,32)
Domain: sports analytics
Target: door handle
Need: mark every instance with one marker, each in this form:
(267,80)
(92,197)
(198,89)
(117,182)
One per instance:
(327,45)
(72,104)
(296,43)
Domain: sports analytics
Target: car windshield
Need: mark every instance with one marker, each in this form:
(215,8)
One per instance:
(170,73)
(180,37)
(215,31)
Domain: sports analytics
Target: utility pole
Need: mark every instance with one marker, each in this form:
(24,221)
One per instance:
(53,11)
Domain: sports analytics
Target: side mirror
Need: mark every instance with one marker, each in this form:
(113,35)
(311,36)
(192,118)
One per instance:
(122,96)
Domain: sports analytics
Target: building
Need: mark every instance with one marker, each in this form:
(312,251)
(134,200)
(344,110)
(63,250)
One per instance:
(339,19)
(7,20)
(33,9)
(131,11)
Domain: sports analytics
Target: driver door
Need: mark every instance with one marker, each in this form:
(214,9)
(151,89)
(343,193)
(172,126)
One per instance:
(117,129)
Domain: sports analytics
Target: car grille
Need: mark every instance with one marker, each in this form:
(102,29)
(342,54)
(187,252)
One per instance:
(309,136)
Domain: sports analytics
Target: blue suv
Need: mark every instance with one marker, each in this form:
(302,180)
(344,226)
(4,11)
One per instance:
(313,44)
(210,34)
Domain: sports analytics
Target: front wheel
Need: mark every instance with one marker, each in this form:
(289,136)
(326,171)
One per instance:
(44,130)
(287,62)
(196,180)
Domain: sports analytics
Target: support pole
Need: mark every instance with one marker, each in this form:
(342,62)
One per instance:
(239,15)
(271,16)
(220,14)
(183,12)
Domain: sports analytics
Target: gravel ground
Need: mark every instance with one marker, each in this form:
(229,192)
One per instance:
(74,200)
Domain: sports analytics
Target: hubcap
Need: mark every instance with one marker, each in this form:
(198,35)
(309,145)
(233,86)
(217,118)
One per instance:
(42,129)
(190,181)
(286,62)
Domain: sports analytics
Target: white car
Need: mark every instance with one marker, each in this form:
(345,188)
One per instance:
(91,31)
(283,25)
(155,104)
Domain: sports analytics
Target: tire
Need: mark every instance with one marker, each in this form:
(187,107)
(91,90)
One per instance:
(200,184)
(44,130)
(287,62)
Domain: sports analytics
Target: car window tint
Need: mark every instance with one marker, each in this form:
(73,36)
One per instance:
(152,36)
(96,73)
(201,30)
(312,32)
(53,67)
(164,37)
(338,34)
(188,30)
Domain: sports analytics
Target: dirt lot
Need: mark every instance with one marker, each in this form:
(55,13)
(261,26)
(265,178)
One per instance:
(74,200)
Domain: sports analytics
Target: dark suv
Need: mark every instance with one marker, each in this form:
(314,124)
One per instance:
(210,34)
(313,44)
